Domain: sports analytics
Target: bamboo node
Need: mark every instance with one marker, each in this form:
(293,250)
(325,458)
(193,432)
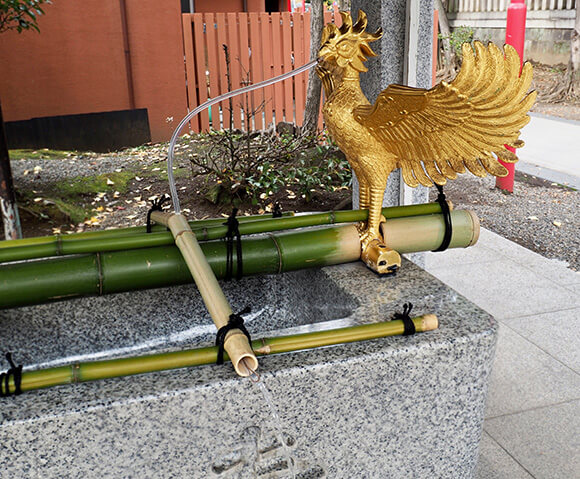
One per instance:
(266,349)
(76,373)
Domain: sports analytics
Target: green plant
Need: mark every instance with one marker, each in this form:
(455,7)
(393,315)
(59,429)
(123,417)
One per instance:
(326,170)
(238,165)
(458,37)
(20,15)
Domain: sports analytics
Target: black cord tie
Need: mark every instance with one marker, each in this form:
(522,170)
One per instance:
(407,321)
(233,232)
(235,322)
(16,373)
(446,217)
(157,205)
(277,213)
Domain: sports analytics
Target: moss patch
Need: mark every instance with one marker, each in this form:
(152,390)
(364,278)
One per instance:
(71,200)
(91,185)
(41,154)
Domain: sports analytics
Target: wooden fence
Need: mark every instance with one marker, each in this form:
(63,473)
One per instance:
(260,46)
(501,5)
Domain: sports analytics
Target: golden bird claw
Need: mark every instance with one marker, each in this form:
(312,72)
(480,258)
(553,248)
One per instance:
(380,258)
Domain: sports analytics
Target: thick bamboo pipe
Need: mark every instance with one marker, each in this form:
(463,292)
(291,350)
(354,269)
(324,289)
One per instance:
(53,279)
(83,372)
(205,230)
(236,343)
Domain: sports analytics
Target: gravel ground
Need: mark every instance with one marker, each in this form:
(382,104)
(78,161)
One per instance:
(539,215)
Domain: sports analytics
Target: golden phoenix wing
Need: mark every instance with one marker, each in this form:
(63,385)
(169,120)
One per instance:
(436,133)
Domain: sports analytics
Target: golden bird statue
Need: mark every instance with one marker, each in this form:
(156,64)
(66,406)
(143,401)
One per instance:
(430,134)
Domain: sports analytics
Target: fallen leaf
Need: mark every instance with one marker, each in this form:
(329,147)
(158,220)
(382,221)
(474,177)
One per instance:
(533,218)
(110,182)
(557,223)
(37,169)
(92,221)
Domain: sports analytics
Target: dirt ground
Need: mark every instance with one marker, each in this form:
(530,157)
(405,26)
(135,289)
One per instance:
(545,79)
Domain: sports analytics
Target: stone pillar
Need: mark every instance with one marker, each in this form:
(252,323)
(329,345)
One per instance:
(389,65)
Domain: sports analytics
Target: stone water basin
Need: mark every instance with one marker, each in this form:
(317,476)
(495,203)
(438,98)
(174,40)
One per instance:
(395,407)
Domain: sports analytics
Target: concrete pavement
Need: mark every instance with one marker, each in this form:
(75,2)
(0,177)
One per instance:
(532,422)
(552,149)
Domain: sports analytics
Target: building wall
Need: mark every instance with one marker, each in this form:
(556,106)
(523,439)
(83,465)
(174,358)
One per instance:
(548,32)
(77,64)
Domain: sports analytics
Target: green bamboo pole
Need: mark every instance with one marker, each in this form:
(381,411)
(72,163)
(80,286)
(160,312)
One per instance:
(53,279)
(92,371)
(206,230)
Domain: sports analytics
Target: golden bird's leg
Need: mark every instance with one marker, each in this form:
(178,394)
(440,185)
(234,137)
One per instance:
(363,203)
(375,254)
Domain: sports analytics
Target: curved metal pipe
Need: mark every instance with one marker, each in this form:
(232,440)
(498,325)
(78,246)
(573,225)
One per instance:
(207,104)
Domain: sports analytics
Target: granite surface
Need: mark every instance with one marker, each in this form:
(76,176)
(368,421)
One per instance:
(396,407)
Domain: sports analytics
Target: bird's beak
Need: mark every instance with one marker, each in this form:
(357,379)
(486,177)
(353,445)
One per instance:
(324,53)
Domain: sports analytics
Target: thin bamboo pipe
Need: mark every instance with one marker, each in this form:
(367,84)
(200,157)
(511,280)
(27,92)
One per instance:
(83,372)
(236,344)
(53,279)
(59,244)
(205,230)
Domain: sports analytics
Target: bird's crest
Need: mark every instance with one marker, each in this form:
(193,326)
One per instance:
(346,36)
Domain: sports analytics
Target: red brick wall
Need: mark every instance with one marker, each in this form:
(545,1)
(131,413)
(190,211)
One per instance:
(76,64)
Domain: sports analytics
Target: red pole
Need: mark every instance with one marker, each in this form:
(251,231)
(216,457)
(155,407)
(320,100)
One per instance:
(435,46)
(515,35)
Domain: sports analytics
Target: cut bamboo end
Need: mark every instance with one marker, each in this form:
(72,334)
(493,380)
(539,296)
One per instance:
(161,217)
(429,322)
(475,229)
(241,354)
